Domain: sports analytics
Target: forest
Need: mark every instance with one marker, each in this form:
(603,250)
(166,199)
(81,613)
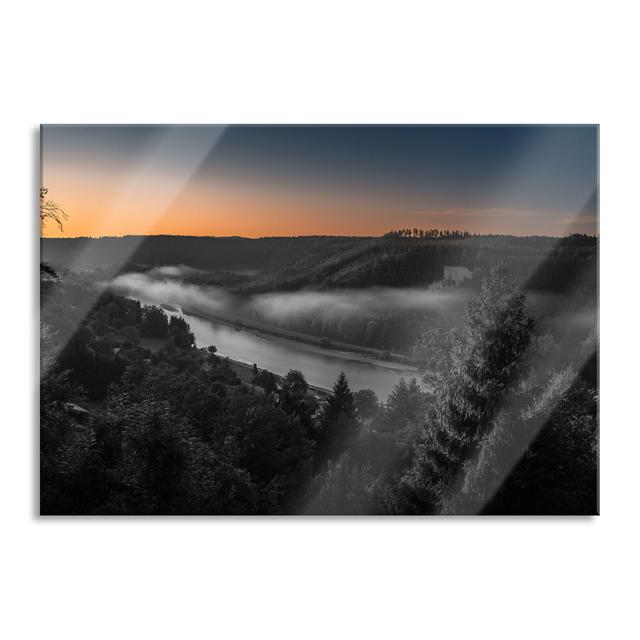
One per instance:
(560,273)
(399,258)
(502,418)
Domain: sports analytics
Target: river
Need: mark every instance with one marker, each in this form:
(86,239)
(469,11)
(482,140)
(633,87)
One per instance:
(320,366)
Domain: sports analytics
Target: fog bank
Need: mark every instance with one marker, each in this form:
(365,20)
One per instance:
(166,285)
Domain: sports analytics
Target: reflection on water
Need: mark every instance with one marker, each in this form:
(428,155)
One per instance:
(321,367)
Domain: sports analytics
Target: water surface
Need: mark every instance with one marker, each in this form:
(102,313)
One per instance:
(320,366)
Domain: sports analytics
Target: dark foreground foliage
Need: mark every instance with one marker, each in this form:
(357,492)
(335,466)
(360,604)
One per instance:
(136,420)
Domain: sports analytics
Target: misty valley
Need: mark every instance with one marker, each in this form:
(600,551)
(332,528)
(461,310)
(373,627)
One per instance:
(320,374)
(277,354)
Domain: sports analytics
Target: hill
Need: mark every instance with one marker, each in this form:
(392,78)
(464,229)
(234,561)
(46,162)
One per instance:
(551,264)
(326,262)
(206,253)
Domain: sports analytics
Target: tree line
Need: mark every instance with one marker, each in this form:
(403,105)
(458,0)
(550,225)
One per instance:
(427,233)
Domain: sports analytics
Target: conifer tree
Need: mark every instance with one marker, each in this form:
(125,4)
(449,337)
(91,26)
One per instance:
(404,405)
(339,424)
(487,362)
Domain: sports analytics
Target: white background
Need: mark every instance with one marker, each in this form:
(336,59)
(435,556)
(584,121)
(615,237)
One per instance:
(328,62)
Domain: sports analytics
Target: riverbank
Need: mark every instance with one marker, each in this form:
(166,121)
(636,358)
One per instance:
(357,353)
(244,371)
(279,354)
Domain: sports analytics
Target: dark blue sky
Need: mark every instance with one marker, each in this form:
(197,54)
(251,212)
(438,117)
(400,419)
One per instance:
(457,166)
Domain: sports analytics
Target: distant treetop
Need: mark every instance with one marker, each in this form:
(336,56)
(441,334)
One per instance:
(426,233)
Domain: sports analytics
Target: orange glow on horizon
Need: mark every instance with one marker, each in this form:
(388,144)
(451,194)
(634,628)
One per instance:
(108,203)
(254,219)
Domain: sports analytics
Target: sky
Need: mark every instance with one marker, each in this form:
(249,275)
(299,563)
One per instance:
(258,181)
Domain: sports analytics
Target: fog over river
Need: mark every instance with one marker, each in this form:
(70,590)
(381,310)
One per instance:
(320,366)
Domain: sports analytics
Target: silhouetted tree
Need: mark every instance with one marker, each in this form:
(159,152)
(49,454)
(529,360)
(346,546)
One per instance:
(180,332)
(292,398)
(295,383)
(265,379)
(338,423)
(405,406)
(154,322)
(213,358)
(366,403)
(49,210)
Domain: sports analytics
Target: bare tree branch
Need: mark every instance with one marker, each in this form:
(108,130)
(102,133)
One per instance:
(49,210)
